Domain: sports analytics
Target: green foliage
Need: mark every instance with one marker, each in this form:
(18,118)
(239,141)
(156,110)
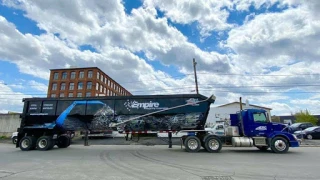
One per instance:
(275,118)
(305,117)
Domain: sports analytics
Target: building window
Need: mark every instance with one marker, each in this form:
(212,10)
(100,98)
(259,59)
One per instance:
(54,86)
(101,88)
(88,94)
(108,82)
(56,76)
(97,86)
(61,94)
(53,95)
(104,90)
(89,85)
(80,85)
(64,75)
(73,75)
(105,80)
(70,95)
(63,86)
(101,78)
(108,92)
(90,73)
(98,75)
(79,94)
(71,86)
(81,75)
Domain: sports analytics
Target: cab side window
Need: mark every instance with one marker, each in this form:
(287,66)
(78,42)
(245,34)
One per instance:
(259,117)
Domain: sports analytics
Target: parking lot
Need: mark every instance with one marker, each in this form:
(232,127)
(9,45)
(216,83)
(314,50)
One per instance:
(156,162)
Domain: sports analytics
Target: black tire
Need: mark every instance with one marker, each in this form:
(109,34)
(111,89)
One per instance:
(262,148)
(279,145)
(14,140)
(63,141)
(27,143)
(45,143)
(192,144)
(213,144)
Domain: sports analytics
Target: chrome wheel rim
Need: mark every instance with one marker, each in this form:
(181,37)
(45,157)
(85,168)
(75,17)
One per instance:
(43,143)
(213,144)
(25,143)
(193,144)
(309,136)
(15,141)
(280,145)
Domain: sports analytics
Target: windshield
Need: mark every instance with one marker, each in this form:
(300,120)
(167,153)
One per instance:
(310,128)
(295,125)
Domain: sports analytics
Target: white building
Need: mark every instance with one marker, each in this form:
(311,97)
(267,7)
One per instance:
(222,112)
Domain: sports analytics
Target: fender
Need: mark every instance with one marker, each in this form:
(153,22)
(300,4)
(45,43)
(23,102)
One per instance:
(60,120)
(291,139)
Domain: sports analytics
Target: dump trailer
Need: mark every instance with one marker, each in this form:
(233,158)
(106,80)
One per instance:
(46,121)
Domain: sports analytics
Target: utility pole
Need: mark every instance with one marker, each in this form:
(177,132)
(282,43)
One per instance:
(195,74)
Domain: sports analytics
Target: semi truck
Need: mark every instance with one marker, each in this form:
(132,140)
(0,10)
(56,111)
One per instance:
(45,121)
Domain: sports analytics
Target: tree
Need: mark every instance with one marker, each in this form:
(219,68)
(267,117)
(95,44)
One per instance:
(305,117)
(275,118)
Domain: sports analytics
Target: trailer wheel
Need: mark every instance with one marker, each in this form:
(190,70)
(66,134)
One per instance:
(192,144)
(44,143)
(279,145)
(27,143)
(213,144)
(63,141)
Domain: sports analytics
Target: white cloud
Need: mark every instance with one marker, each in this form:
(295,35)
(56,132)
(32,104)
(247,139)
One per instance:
(10,100)
(209,14)
(38,86)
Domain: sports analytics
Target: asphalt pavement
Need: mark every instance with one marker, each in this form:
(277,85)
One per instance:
(135,162)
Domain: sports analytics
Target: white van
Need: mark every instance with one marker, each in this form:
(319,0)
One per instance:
(216,129)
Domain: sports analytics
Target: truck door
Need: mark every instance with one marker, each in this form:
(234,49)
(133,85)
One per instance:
(260,126)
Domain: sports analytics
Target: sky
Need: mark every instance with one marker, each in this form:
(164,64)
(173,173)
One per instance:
(265,51)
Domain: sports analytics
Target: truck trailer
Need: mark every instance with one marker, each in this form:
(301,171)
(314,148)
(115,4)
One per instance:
(46,121)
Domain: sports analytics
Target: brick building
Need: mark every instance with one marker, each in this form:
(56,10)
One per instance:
(83,82)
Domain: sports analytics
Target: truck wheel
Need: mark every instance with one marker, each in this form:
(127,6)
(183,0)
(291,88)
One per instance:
(44,143)
(14,140)
(192,144)
(63,141)
(213,144)
(279,145)
(27,143)
(262,148)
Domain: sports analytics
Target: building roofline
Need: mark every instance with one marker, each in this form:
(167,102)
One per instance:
(244,105)
(75,68)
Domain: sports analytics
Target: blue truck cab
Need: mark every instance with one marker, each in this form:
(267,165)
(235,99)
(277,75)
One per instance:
(255,126)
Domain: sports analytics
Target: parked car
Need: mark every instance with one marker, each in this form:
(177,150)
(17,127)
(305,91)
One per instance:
(309,133)
(14,137)
(299,127)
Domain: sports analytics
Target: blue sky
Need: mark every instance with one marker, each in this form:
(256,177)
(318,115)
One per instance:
(224,39)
